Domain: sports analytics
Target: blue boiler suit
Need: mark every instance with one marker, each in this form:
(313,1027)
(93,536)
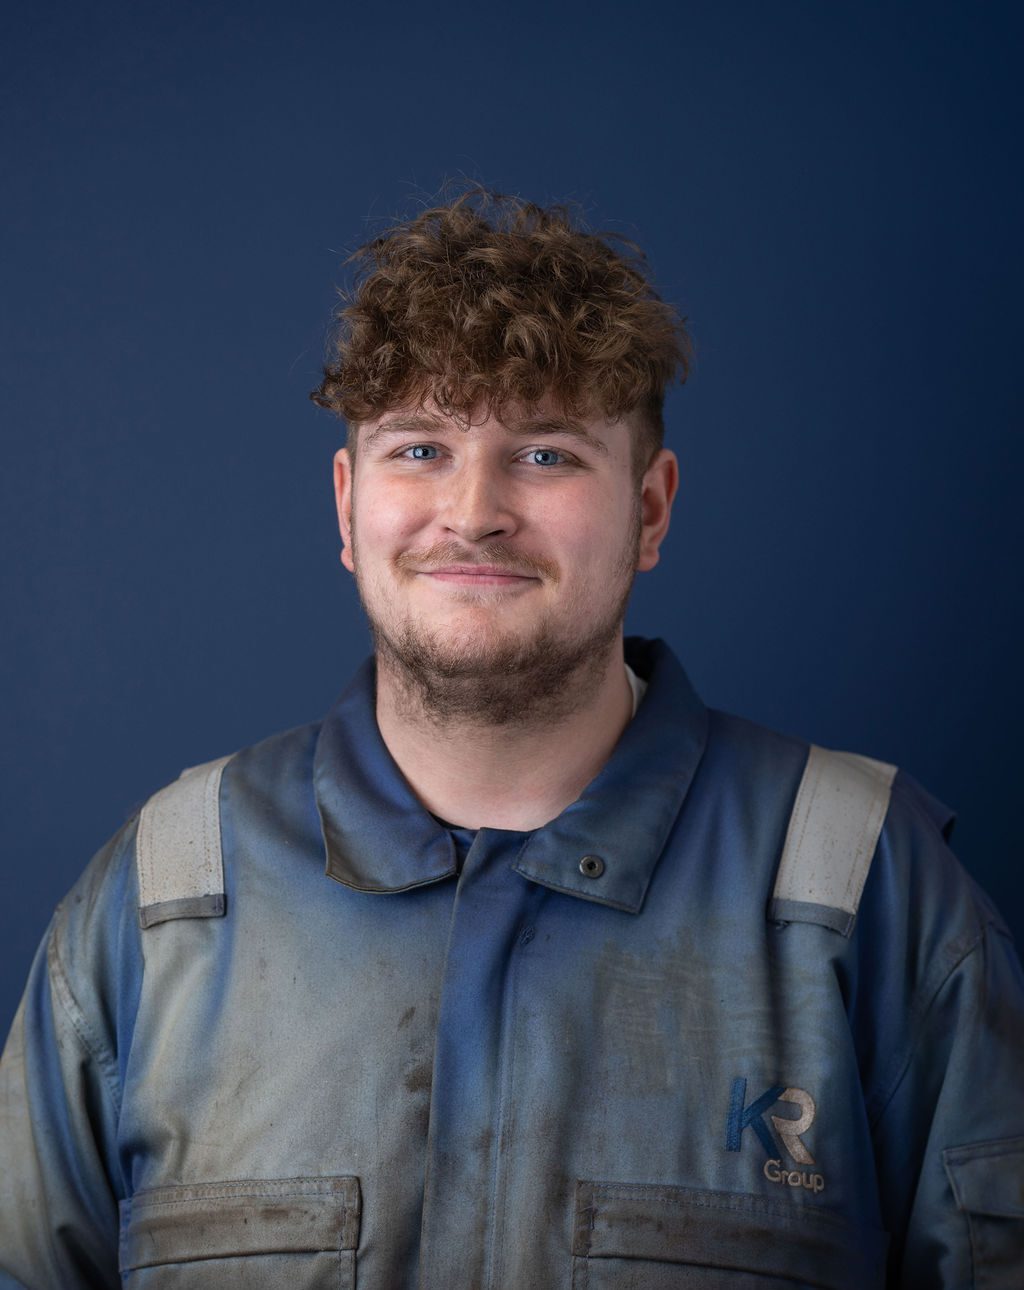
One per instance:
(463,1061)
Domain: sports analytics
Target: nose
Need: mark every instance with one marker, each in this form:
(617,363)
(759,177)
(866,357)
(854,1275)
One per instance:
(477,504)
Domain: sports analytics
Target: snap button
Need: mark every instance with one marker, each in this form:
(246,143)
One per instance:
(591,866)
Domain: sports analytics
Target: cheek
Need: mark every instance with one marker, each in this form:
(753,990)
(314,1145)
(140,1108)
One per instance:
(383,522)
(592,531)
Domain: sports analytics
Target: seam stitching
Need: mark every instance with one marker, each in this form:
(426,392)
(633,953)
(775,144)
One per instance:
(94,1047)
(921,1017)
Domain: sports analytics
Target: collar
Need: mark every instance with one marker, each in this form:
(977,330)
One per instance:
(380,838)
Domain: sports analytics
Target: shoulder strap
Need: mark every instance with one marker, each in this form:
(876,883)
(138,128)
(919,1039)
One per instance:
(177,849)
(830,843)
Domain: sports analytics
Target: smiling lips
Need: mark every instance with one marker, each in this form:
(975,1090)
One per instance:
(478,575)
(490,564)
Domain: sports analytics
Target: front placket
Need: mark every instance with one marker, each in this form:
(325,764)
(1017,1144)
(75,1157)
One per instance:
(468,1147)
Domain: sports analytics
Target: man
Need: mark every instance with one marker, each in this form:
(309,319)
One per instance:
(601,988)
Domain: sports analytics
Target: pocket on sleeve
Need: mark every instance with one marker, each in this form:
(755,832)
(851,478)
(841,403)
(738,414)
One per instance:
(678,1238)
(988,1184)
(260,1234)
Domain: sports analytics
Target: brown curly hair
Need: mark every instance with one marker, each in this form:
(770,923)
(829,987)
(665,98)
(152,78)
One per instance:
(490,300)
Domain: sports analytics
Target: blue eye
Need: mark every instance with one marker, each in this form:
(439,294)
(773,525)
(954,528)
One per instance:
(545,457)
(421,452)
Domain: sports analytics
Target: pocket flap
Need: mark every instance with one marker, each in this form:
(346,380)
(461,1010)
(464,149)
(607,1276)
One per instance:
(249,1216)
(726,1230)
(988,1177)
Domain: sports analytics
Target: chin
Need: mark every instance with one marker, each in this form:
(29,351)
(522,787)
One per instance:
(476,627)
(471,645)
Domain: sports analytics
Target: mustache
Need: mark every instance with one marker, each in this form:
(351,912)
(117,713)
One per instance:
(442,554)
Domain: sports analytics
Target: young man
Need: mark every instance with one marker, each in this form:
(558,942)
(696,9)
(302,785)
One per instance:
(600,988)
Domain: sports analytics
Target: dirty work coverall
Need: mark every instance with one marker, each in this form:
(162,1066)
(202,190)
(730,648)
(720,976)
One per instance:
(519,1068)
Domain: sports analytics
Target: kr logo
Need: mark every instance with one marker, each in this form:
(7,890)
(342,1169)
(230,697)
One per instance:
(743,1116)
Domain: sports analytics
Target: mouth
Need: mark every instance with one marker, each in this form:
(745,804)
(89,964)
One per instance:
(478,575)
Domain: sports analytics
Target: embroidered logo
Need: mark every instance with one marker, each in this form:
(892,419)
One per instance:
(743,1116)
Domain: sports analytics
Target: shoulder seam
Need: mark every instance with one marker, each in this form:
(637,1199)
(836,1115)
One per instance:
(93,1046)
(884,1100)
(985,914)
(902,790)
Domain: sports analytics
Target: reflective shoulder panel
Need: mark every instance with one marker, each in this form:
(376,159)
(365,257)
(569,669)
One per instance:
(833,831)
(177,851)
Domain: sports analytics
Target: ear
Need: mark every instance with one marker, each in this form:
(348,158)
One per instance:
(657,492)
(343,501)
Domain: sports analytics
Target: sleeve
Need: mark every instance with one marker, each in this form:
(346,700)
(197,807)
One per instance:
(950,1141)
(60,1093)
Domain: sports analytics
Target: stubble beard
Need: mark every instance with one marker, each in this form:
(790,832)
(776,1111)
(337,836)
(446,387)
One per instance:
(509,681)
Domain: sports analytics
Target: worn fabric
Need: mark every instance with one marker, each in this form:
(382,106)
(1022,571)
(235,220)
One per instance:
(520,1072)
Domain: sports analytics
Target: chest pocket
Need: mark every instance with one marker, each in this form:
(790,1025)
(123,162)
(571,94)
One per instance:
(677,1238)
(260,1234)
(988,1184)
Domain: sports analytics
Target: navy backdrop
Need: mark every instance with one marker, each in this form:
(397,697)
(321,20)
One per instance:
(831,192)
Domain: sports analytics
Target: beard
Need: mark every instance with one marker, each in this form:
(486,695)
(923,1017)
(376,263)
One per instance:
(490,678)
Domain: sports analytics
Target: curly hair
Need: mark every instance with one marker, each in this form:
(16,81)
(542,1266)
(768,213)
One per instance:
(490,301)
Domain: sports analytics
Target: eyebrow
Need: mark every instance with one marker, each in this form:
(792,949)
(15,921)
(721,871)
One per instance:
(544,426)
(527,428)
(402,425)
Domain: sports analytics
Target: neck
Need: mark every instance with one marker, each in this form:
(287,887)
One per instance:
(507,775)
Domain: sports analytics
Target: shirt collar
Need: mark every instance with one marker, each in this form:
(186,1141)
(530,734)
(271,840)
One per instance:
(380,838)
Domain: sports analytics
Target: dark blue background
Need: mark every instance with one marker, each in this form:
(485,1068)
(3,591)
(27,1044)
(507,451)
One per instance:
(831,192)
